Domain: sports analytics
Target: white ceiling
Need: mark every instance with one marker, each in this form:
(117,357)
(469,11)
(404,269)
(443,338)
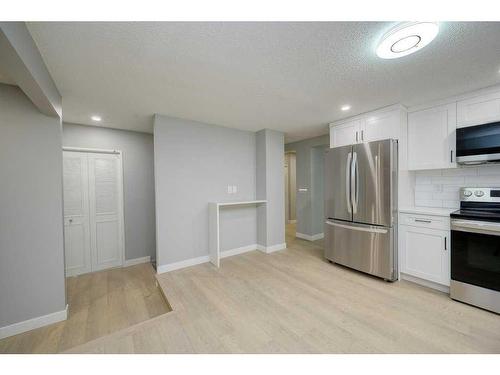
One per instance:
(291,77)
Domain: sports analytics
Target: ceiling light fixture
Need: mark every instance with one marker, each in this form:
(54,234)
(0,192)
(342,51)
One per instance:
(406,38)
(345,107)
(96,118)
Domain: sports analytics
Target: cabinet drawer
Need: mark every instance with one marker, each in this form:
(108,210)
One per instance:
(425,221)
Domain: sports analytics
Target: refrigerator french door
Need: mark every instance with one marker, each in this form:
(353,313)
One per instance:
(361,207)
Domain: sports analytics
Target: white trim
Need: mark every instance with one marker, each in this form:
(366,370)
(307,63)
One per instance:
(307,237)
(224,254)
(238,250)
(93,150)
(28,325)
(427,283)
(182,264)
(292,221)
(133,262)
(271,249)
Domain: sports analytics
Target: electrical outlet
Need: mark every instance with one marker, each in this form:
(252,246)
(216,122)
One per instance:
(235,189)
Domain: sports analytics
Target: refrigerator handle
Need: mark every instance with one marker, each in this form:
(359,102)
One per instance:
(354,182)
(348,181)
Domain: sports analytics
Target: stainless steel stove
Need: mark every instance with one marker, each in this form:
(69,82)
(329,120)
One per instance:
(475,248)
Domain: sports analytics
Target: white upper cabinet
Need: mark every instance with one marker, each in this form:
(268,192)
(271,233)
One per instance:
(380,126)
(478,110)
(345,133)
(431,138)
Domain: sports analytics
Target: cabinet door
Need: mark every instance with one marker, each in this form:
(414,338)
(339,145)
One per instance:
(381,126)
(347,133)
(431,138)
(425,253)
(478,110)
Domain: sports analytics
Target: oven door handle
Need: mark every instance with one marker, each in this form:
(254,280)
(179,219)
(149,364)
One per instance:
(476,227)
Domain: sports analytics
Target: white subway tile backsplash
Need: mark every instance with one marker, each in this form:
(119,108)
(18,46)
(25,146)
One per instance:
(428,187)
(448,180)
(467,171)
(441,187)
(451,204)
(489,170)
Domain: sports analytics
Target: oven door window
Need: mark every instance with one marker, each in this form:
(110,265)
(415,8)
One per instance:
(475,259)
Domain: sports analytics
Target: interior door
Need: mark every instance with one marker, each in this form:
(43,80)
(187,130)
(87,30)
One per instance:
(76,213)
(372,182)
(105,211)
(337,183)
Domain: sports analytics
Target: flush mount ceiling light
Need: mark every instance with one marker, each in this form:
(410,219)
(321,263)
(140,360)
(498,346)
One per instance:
(345,107)
(406,38)
(96,118)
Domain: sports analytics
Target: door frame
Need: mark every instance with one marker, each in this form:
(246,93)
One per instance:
(121,203)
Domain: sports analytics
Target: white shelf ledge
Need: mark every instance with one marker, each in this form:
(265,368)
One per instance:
(214,225)
(240,203)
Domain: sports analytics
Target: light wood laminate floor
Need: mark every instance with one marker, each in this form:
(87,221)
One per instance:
(100,303)
(293,301)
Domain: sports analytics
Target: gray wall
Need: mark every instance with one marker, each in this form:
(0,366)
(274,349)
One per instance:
(317,189)
(138,180)
(31,227)
(194,163)
(308,214)
(271,186)
(290,161)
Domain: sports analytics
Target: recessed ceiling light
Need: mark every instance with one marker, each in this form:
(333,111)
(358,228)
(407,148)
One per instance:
(96,118)
(345,107)
(406,38)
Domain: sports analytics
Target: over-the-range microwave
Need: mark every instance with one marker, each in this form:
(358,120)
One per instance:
(478,144)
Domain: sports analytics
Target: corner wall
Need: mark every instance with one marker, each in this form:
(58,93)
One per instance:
(194,163)
(271,186)
(31,225)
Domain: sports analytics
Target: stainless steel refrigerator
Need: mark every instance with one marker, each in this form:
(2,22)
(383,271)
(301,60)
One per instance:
(361,190)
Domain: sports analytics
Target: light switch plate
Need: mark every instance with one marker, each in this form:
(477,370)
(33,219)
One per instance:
(235,189)
(229,189)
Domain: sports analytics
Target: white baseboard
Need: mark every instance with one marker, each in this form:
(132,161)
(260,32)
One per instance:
(28,325)
(307,237)
(238,250)
(133,262)
(271,249)
(182,264)
(224,254)
(427,283)
(292,221)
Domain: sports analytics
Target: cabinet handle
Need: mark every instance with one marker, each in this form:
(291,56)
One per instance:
(445,246)
(356,136)
(423,221)
(451,156)
(362,135)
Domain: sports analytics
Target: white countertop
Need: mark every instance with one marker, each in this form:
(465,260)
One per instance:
(427,210)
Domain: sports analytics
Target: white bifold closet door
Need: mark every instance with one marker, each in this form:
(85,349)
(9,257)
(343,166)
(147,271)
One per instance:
(93,224)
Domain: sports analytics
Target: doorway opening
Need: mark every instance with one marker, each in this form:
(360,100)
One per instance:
(290,195)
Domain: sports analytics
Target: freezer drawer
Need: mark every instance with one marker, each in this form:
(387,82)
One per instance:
(366,248)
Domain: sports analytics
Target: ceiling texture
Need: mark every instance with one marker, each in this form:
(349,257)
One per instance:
(292,77)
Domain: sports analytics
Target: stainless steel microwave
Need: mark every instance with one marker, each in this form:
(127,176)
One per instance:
(478,144)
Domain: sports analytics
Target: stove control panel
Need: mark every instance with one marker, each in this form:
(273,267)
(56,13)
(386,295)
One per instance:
(476,194)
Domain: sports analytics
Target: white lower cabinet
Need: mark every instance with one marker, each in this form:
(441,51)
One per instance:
(425,250)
